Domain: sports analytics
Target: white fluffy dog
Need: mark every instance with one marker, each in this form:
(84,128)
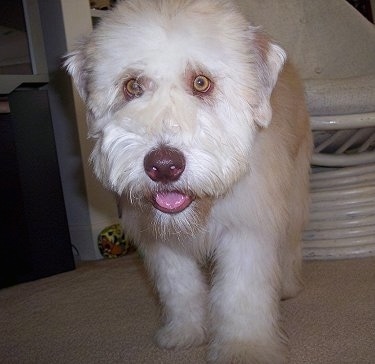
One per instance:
(201,128)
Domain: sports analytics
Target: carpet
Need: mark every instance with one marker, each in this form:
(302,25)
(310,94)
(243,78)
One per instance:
(105,312)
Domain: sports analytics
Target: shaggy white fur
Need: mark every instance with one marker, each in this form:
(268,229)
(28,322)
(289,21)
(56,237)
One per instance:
(201,128)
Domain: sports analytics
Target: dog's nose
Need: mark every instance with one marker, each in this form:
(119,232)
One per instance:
(164,164)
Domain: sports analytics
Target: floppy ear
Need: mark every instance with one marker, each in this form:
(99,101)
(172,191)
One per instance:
(76,65)
(270,59)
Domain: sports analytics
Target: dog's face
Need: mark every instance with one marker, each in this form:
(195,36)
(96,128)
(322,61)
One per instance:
(176,92)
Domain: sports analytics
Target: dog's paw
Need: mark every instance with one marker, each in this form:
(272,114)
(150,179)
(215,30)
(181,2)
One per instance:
(173,336)
(291,289)
(291,284)
(242,352)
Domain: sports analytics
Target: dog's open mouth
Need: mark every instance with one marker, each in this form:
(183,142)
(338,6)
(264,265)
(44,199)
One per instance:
(171,202)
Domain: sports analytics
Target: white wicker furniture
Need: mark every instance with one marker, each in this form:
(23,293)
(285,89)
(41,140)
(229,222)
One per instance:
(342,219)
(333,47)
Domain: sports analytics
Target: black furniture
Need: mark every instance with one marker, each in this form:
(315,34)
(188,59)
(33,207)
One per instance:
(35,239)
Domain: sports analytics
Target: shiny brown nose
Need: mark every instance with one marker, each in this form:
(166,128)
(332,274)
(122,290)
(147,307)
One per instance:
(164,164)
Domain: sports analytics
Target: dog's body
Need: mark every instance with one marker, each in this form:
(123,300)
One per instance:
(201,129)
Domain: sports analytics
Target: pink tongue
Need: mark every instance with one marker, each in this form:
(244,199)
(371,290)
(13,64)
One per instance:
(172,201)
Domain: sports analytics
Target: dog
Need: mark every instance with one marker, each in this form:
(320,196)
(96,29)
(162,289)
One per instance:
(201,130)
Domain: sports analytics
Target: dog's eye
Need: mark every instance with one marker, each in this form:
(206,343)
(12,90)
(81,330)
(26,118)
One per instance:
(132,89)
(201,84)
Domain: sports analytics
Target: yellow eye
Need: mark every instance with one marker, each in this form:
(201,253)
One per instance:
(132,88)
(201,84)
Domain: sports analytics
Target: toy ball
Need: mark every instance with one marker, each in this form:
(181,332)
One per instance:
(113,242)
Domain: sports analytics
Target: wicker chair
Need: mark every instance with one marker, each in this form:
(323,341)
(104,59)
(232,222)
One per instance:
(333,46)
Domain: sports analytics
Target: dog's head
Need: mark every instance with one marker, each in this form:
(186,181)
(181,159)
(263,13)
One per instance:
(176,91)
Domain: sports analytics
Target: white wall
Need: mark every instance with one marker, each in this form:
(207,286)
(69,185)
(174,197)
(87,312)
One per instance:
(101,204)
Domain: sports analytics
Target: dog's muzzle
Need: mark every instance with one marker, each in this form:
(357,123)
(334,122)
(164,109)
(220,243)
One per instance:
(165,165)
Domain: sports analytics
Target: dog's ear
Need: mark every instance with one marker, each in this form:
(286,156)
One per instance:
(75,63)
(269,61)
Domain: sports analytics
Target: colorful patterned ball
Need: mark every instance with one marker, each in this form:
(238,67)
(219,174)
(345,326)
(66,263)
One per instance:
(113,242)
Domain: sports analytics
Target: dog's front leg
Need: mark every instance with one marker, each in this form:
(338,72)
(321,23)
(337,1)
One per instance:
(245,302)
(183,293)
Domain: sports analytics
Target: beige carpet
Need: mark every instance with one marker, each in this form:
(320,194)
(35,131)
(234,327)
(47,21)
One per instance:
(105,312)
